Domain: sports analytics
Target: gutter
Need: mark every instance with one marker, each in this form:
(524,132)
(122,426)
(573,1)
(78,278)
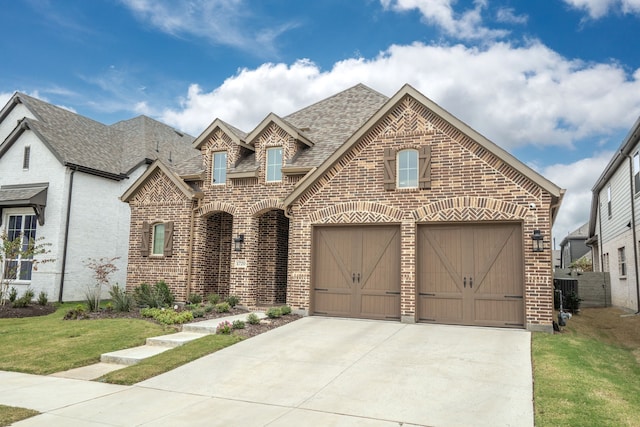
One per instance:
(66,234)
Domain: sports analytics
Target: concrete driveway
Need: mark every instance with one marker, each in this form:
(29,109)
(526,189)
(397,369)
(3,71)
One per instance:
(319,372)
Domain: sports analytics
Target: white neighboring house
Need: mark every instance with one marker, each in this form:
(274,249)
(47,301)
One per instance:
(61,176)
(614,223)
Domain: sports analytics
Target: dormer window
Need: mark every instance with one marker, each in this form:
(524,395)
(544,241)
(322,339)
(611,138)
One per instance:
(274,164)
(219,168)
(26,157)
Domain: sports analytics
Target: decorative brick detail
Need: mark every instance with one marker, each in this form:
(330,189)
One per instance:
(470,209)
(266,205)
(355,212)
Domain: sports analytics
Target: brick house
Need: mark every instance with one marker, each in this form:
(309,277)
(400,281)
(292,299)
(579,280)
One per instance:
(357,206)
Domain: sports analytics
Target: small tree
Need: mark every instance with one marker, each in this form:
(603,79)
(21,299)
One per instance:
(102,268)
(11,251)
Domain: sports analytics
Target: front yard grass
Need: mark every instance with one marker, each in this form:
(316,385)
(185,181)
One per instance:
(589,375)
(10,414)
(47,344)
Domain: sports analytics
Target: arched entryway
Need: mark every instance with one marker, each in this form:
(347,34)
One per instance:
(216,253)
(272,258)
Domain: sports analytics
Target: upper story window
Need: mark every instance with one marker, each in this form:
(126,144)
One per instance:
(274,164)
(21,227)
(622,262)
(408,169)
(636,172)
(26,157)
(219,168)
(609,201)
(160,235)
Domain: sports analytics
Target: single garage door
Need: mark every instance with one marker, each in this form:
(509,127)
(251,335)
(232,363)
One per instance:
(356,271)
(471,274)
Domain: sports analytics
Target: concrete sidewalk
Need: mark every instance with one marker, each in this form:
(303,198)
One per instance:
(315,371)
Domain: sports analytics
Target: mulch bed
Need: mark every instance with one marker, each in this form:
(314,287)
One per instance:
(7,311)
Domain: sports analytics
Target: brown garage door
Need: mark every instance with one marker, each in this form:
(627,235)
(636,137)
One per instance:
(356,271)
(471,274)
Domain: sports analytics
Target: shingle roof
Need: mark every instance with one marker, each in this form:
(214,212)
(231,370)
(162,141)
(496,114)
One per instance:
(114,149)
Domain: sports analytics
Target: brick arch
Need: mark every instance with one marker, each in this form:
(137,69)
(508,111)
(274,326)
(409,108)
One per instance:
(470,208)
(216,206)
(356,212)
(266,205)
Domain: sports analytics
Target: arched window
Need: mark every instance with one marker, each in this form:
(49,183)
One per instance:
(407,168)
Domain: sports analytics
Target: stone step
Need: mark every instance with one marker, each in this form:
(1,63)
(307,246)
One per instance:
(174,340)
(132,356)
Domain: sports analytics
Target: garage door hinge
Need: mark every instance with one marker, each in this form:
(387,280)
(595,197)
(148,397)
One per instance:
(321,289)
(422,294)
(392,293)
(513,296)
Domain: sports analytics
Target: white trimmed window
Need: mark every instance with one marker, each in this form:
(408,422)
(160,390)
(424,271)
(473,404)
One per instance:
(609,201)
(274,164)
(636,172)
(158,239)
(21,227)
(26,158)
(219,165)
(622,262)
(408,169)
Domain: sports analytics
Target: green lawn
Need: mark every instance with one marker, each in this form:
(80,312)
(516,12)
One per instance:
(580,380)
(47,344)
(10,415)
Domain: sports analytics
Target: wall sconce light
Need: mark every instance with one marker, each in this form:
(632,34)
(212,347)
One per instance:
(238,242)
(537,241)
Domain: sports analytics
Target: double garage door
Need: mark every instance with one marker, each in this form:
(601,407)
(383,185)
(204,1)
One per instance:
(466,274)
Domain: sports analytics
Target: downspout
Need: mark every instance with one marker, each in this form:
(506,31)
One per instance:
(633,231)
(66,234)
(190,250)
(601,248)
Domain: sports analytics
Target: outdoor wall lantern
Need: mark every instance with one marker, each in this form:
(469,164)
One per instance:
(238,242)
(537,241)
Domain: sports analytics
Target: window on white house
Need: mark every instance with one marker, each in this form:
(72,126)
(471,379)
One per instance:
(219,171)
(21,227)
(408,169)
(636,172)
(26,157)
(605,262)
(609,201)
(274,164)
(622,262)
(158,239)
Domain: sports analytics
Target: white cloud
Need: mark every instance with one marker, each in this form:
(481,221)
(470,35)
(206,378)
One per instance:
(577,178)
(224,22)
(599,8)
(466,25)
(4,98)
(507,15)
(516,96)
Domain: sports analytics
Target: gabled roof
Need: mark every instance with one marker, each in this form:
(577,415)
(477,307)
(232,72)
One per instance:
(236,135)
(407,90)
(296,133)
(111,151)
(581,233)
(623,153)
(180,184)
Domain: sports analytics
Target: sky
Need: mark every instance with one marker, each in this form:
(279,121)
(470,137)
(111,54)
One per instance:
(554,82)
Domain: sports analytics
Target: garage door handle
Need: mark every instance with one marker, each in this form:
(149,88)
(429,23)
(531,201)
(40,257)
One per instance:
(471,282)
(353,278)
(464,282)
(358,277)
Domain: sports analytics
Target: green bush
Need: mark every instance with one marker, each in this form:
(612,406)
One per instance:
(253,319)
(208,308)
(213,299)
(285,309)
(224,328)
(223,307)
(75,313)
(25,299)
(43,299)
(121,300)
(108,306)
(167,316)
(274,312)
(198,312)
(91,298)
(238,324)
(13,294)
(195,299)
(156,296)
(232,300)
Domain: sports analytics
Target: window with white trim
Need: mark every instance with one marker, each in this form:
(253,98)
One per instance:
(219,168)
(622,262)
(636,172)
(407,168)
(26,158)
(158,239)
(274,164)
(609,201)
(21,227)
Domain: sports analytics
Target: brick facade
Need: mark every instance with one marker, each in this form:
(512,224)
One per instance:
(469,183)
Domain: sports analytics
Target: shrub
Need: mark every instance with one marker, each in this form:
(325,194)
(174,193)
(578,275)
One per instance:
(198,312)
(195,299)
(75,313)
(42,298)
(285,309)
(91,298)
(25,299)
(13,294)
(238,324)
(155,296)
(223,307)
(253,319)
(232,300)
(208,308)
(122,301)
(224,328)
(108,306)
(213,298)
(274,312)
(167,316)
